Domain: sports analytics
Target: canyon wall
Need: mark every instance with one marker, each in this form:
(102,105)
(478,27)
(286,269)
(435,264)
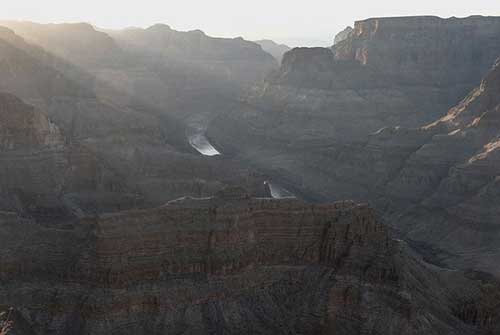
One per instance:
(389,72)
(230,264)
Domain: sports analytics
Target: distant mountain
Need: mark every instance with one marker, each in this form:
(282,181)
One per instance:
(78,43)
(308,42)
(181,73)
(275,49)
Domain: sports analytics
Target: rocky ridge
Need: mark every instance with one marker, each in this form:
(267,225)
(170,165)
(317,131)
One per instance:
(184,74)
(232,264)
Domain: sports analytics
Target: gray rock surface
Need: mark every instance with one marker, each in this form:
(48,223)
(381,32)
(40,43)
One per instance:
(343,35)
(233,264)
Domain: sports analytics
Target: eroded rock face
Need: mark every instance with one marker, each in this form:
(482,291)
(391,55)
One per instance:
(229,265)
(453,176)
(343,35)
(22,126)
(425,50)
(38,168)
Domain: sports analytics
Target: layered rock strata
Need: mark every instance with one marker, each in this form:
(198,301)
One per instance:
(231,264)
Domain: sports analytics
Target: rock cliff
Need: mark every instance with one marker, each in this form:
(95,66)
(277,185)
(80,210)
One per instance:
(343,35)
(22,126)
(232,264)
(389,72)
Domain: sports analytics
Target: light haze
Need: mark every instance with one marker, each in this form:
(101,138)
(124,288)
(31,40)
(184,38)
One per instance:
(313,22)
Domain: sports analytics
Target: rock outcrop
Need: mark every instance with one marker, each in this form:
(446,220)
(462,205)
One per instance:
(343,35)
(233,264)
(424,50)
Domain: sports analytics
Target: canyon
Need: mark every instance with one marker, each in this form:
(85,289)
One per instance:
(126,152)
(154,181)
(422,175)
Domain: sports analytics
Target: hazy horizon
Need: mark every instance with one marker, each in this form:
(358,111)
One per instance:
(280,21)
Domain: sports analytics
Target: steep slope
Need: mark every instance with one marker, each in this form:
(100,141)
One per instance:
(78,42)
(28,72)
(22,126)
(234,265)
(459,185)
(43,177)
(438,184)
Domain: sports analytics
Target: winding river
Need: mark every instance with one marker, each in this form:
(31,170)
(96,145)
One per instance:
(278,192)
(200,143)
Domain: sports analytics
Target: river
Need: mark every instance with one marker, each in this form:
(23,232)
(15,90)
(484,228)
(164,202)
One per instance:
(200,143)
(278,192)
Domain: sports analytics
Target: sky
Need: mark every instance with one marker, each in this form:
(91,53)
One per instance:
(295,22)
